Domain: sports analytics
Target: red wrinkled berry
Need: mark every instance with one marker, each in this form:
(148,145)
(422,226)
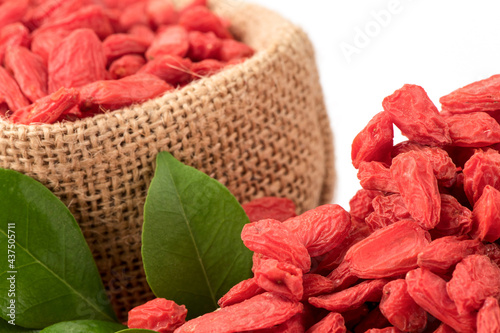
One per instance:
(203,45)
(416,116)
(170,40)
(172,69)
(159,315)
(374,142)
(200,18)
(482,95)
(231,50)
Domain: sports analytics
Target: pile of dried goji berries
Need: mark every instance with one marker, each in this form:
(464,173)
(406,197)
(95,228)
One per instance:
(70,59)
(417,251)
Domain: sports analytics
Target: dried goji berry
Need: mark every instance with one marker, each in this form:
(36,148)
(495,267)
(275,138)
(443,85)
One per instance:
(143,32)
(342,277)
(333,258)
(159,315)
(331,323)
(15,34)
(134,14)
(170,40)
(113,15)
(488,317)
(474,279)
(387,210)
(120,4)
(280,278)
(238,293)
(477,129)
(261,311)
(294,324)
(374,142)
(442,254)
(232,50)
(482,95)
(375,257)
(360,205)
(78,60)
(12,11)
(442,164)
(270,208)
(200,18)
(315,284)
(413,173)
(376,176)
(416,116)
(29,71)
(455,219)
(125,66)
(482,169)
(161,12)
(321,229)
(47,109)
(485,214)
(36,15)
(400,309)
(118,45)
(203,45)
(10,93)
(113,94)
(51,11)
(273,239)
(43,43)
(172,69)
(351,298)
(429,291)
(193,3)
(206,67)
(89,17)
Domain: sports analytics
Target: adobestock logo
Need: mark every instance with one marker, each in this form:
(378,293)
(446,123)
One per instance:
(363,35)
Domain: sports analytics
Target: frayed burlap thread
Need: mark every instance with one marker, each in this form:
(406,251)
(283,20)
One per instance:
(260,128)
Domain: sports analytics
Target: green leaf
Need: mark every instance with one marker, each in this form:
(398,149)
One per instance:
(134,330)
(87,326)
(191,242)
(53,276)
(5,327)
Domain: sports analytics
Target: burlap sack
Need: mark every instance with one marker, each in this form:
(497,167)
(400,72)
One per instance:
(260,128)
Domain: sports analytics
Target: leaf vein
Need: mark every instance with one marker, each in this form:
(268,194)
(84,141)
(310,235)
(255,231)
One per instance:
(186,220)
(61,280)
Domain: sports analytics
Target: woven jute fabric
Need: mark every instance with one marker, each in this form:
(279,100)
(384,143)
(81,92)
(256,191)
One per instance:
(260,128)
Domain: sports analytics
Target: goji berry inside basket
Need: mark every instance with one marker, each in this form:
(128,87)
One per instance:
(113,53)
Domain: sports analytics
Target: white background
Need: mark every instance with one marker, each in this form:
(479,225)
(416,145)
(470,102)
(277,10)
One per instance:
(440,45)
